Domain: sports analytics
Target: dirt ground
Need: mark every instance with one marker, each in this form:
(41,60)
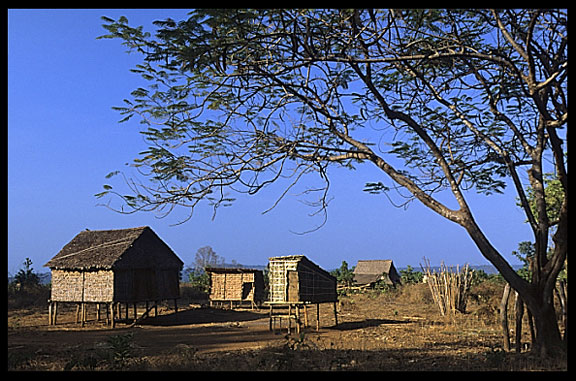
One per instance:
(399,331)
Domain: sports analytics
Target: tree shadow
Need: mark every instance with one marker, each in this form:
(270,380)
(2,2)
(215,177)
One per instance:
(351,325)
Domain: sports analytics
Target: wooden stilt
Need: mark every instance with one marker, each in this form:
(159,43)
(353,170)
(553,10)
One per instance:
(317,316)
(78,313)
(289,320)
(49,313)
(270,323)
(305,315)
(335,315)
(55,313)
(297,319)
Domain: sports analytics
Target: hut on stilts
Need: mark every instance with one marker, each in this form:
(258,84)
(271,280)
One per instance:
(235,286)
(295,283)
(114,268)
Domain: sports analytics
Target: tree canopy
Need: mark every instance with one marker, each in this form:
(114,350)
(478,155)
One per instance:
(439,100)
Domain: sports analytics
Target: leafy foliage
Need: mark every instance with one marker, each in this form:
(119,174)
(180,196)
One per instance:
(240,98)
(344,275)
(409,276)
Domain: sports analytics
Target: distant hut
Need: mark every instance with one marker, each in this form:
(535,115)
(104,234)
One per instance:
(112,267)
(295,281)
(236,286)
(368,272)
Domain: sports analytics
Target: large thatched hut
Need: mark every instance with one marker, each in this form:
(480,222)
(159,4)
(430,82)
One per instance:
(114,266)
(235,286)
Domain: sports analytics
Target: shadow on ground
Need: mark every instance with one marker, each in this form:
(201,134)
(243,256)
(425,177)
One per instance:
(201,316)
(351,325)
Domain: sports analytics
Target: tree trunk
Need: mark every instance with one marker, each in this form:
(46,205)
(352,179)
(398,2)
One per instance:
(548,339)
(538,297)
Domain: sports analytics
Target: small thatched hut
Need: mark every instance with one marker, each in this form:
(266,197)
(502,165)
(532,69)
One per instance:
(115,266)
(368,272)
(235,286)
(294,283)
(295,278)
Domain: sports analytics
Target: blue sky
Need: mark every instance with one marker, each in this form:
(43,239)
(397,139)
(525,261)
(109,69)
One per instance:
(64,137)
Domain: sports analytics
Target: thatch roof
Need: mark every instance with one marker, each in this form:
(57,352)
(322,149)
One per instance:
(301,258)
(103,249)
(370,271)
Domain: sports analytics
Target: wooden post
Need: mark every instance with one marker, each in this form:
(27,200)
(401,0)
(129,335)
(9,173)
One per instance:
(55,313)
(297,319)
(289,318)
(49,313)
(270,316)
(305,315)
(77,313)
(113,314)
(335,315)
(519,314)
(504,317)
(317,316)
(175,305)
(135,311)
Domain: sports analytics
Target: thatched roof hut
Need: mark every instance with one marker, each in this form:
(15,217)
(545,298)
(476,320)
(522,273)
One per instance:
(125,265)
(236,285)
(368,272)
(295,278)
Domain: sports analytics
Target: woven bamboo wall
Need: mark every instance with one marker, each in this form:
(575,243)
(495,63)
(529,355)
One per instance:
(230,286)
(114,286)
(278,277)
(82,286)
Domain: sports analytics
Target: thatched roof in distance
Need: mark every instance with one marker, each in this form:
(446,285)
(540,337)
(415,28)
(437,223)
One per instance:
(231,270)
(370,271)
(103,249)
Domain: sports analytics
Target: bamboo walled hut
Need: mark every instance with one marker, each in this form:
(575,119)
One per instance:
(295,278)
(112,267)
(368,272)
(294,282)
(235,286)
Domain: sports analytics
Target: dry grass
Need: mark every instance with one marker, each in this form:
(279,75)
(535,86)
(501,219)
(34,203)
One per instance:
(398,330)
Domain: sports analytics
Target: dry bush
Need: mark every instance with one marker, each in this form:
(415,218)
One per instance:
(416,293)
